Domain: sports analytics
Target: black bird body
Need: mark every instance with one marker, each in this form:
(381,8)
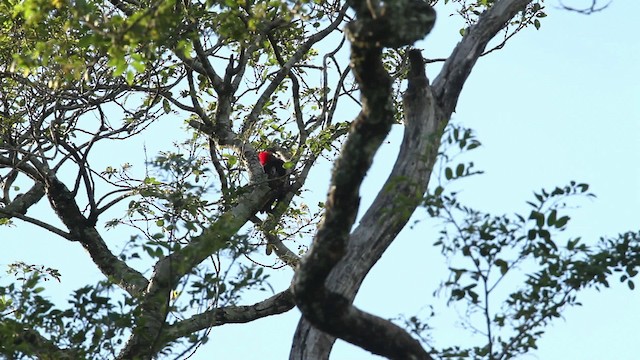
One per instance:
(276,173)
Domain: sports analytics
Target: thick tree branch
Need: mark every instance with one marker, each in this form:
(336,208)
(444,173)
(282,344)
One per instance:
(277,304)
(373,236)
(390,210)
(325,309)
(22,203)
(22,166)
(63,203)
(455,71)
(170,269)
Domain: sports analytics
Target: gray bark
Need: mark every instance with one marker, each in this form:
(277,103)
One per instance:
(426,112)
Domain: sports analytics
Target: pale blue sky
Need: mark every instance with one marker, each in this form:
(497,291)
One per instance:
(558,104)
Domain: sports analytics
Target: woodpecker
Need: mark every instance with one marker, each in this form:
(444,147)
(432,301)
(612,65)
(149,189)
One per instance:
(274,168)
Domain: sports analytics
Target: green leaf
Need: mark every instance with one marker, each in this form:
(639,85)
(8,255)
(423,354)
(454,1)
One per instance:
(119,64)
(538,217)
(129,77)
(140,66)
(448,173)
(562,221)
(504,267)
(571,244)
(150,180)
(473,145)
(551,219)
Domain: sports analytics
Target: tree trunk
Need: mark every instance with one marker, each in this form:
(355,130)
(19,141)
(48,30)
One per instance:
(427,110)
(376,232)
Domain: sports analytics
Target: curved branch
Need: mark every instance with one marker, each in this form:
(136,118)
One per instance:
(63,203)
(326,309)
(216,80)
(273,241)
(390,210)
(213,154)
(113,202)
(328,118)
(194,99)
(30,171)
(455,71)
(295,91)
(372,237)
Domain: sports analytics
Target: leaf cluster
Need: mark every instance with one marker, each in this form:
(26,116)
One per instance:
(491,255)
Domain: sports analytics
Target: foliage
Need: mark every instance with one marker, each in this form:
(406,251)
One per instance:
(514,274)
(222,80)
(95,322)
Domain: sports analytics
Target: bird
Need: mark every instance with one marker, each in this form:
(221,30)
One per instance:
(273,166)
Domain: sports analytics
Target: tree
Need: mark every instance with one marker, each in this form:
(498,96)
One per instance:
(243,76)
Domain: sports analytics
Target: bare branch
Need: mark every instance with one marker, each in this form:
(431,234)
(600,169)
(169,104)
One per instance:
(194,99)
(326,118)
(215,79)
(273,241)
(213,154)
(252,118)
(42,224)
(588,10)
(448,84)
(295,91)
(277,304)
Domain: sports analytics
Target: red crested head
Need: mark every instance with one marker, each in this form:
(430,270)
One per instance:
(264,156)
